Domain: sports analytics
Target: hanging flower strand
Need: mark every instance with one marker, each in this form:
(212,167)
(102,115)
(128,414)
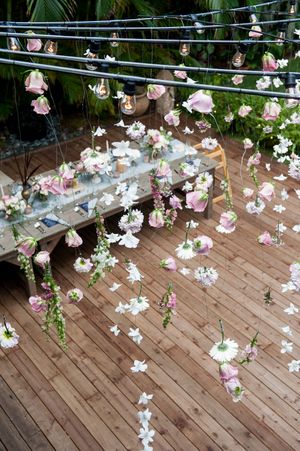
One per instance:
(249,354)
(26,247)
(168,305)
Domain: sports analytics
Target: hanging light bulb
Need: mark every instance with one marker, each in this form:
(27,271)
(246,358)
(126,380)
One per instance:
(290,86)
(102,89)
(92,52)
(198,25)
(293,7)
(239,57)
(51,45)
(13,43)
(128,101)
(185,47)
(114,35)
(281,34)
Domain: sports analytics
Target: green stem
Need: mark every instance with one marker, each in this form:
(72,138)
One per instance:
(141,287)
(222,330)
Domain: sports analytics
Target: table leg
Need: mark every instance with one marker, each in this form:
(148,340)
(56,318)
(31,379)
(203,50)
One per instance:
(209,209)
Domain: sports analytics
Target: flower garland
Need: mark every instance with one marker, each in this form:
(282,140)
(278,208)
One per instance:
(168,305)
(26,247)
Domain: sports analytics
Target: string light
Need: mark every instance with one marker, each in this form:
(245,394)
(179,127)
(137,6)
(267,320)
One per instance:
(128,101)
(185,47)
(198,25)
(51,45)
(102,89)
(290,86)
(293,7)
(92,52)
(239,57)
(12,42)
(281,35)
(114,35)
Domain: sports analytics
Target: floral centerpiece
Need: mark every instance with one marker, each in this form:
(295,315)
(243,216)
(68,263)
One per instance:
(94,162)
(13,206)
(136,131)
(156,143)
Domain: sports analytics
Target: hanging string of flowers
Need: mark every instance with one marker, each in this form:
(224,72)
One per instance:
(26,247)
(168,305)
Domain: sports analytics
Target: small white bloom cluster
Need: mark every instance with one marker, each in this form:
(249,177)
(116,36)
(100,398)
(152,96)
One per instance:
(136,130)
(206,276)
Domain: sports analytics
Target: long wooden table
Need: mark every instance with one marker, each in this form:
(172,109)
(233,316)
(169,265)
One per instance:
(48,238)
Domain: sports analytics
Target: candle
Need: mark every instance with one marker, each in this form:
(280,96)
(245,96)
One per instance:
(2,192)
(107,146)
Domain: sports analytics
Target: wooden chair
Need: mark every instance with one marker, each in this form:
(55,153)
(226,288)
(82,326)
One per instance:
(217,154)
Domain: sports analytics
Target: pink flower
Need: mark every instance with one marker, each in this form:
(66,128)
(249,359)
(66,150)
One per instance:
(234,388)
(156,218)
(163,170)
(35,82)
(57,185)
(244,110)
(168,263)
(72,238)
(42,258)
(271,111)
(66,172)
(255,32)
(38,304)
(172,118)
(74,296)
(248,192)
(200,102)
(180,74)
(27,246)
(197,200)
(227,371)
(172,301)
(249,353)
(228,220)
(269,62)
(248,144)
(254,160)
(265,238)
(266,191)
(33,44)
(237,79)
(203,244)
(175,202)
(41,105)
(155,91)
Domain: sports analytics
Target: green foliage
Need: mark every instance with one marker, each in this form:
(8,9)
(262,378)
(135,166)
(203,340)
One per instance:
(50,10)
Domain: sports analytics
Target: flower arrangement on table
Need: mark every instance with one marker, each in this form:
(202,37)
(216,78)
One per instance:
(93,162)
(49,184)
(13,205)
(156,143)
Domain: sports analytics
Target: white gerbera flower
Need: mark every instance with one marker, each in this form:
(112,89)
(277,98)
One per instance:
(132,221)
(8,336)
(185,250)
(206,276)
(137,305)
(209,143)
(224,351)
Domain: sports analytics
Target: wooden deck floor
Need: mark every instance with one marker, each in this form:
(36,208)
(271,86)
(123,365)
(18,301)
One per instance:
(86,398)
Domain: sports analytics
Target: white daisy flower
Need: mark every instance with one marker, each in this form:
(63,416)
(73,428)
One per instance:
(138,305)
(224,351)
(209,143)
(139,366)
(115,330)
(8,336)
(185,250)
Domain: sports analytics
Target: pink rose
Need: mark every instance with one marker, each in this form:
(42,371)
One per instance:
(266,191)
(228,220)
(155,91)
(265,238)
(41,105)
(237,79)
(168,263)
(163,170)
(72,238)
(200,102)
(255,32)
(74,296)
(175,202)
(269,62)
(271,111)
(248,192)
(244,110)
(180,74)
(172,301)
(197,200)
(37,304)
(27,246)
(203,244)
(254,160)
(227,371)
(156,218)
(33,44)
(42,258)
(35,82)
(57,185)
(172,118)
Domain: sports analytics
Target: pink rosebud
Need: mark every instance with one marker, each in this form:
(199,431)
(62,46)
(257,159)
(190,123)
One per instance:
(180,74)
(74,296)
(168,263)
(41,105)
(38,304)
(266,191)
(156,218)
(175,202)
(249,353)
(172,301)
(27,246)
(272,111)
(163,170)
(228,220)
(155,91)
(197,200)
(33,44)
(244,110)
(265,238)
(269,62)
(35,83)
(234,388)
(248,192)
(72,238)
(227,371)
(237,79)
(172,118)
(254,160)
(203,244)
(200,102)
(255,32)
(42,258)
(57,185)
(66,172)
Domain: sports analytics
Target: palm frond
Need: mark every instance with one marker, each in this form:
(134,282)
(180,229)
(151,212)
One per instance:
(50,11)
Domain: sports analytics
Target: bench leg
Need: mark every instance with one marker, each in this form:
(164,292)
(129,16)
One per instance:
(209,209)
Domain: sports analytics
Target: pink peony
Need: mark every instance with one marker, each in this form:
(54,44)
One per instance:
(156,218)
(168,263)
(265,238)
(33,44)
(266,191)
(163,170)
(41,105)
(172,301)
(200,102)
(72,238)
(203,244)
(244,110)
(74,296)
(175,202)
(42,258)
(197,200)
(237,79)
(57,185)
(227,371)
(254,160)
(155,91)
(272,111)
(172,118)
(269,62)
(38,304)
(228,220)
(248,192)
(27,246)
(35,82)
